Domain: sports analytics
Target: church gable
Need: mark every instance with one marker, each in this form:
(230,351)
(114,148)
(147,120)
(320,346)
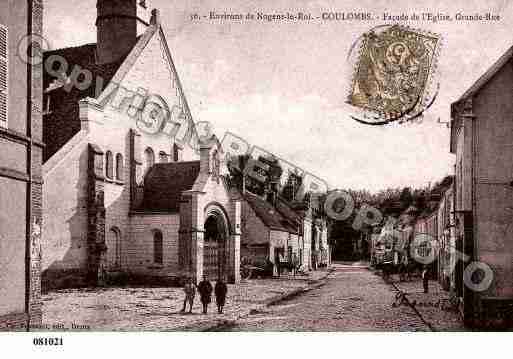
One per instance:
(142,87)
(147,89)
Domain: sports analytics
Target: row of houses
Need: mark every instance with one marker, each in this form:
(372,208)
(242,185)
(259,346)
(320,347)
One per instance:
(471,216)
(275,229)
(477,208)
(120,194)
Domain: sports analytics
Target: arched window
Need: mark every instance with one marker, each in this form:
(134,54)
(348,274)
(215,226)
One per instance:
(116,251)
(163,158)
(109,165)
(157,247)
(177,153)
(149,157)
(119,167)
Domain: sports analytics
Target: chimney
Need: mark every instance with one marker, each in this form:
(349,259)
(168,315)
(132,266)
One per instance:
(118,24)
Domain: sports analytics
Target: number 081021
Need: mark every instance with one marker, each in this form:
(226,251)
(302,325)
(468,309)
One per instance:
(47,341)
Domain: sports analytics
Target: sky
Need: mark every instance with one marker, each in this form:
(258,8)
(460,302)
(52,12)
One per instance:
(282,86)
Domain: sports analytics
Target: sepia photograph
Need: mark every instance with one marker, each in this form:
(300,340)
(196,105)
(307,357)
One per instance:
(250,166)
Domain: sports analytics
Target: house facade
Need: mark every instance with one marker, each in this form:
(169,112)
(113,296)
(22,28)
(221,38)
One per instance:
(481,136)
(21,181)
(273,229)
(446,239)
(131,188)
(432,231)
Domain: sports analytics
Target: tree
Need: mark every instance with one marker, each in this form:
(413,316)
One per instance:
(294,181)
(236,165)
(406,197)
(268,168)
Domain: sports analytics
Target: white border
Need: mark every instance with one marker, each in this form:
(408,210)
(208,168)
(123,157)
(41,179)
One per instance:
(306,345)
(6,124)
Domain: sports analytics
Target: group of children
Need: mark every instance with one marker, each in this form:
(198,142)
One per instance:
(205,290)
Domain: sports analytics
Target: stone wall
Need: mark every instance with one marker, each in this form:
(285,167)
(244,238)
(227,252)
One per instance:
(307,242)
(493,162)
(253,229)
(140,250)
(253,234)
(64,244)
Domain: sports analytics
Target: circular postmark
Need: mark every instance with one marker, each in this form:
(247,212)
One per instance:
(393,75)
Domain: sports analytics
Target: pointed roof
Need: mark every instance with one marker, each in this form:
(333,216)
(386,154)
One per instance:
(154,28)
(487,76)
(105,77)
(269,214)
(85,57)
(164,184)
(473,90)
(286,211)
(64,116)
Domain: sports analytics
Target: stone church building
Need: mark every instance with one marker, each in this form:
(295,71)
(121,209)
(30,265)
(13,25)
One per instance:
(130,186)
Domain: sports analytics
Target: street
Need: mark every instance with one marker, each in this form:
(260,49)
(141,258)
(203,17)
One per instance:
(347,297)
(158,308)
(352,299)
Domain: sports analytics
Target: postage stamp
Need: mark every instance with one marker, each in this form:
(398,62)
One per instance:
(393,71)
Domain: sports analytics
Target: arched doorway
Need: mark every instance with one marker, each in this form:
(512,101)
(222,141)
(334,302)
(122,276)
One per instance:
(215,246)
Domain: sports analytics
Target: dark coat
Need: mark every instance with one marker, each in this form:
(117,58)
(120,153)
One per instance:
(221,289)
(205,291)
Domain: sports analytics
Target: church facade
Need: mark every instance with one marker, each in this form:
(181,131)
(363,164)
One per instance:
(130,185)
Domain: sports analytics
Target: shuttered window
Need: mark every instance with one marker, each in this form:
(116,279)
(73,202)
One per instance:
(4,76)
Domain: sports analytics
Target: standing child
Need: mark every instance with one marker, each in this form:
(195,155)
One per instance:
(190,292)
(205,291)
(220,290)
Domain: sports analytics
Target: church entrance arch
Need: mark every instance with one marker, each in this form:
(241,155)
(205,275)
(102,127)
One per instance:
(215,245)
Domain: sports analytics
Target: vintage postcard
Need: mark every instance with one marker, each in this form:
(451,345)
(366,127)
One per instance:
(249,166)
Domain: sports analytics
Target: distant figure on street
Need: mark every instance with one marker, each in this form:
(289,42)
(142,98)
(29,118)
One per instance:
(295,263)
(190,291)
(220,291)
(315,259)
(425,279)
(403,268)
(279,261)
(387,269)
(324,258)
(205,291)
